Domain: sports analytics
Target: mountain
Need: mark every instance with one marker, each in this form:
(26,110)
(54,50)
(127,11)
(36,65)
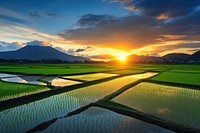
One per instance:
(177,56)
(30,52)
(143,58)
(173,57)
(196,56)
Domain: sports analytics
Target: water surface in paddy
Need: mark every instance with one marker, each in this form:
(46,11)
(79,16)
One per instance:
(29,115)
(98,120)
(5,75)
(24,79)
(55,81)
(177,104)
(91,77)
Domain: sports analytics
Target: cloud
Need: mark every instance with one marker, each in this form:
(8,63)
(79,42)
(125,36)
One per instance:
(157,8)
(121,1)
(38,43)
(75,51)
(91,20)
(51,14)
(132,31)
(11,32)
(60,49)
(34,14)
(191,45)
(188,25)
(6,46)
(103,56)
(129,31)
(11,13)
(163,49)
(37,14)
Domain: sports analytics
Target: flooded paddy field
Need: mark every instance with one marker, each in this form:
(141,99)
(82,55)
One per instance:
(29,115)
(177,104)
(101,120)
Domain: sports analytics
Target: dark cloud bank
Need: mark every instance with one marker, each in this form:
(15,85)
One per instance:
(142,26)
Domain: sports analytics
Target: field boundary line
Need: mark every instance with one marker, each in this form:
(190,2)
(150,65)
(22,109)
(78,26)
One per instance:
(147,118)
(38,96)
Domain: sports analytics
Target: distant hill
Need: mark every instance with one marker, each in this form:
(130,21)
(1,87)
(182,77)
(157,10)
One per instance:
(196,56)
(173,57)
(30,52)
(177,56)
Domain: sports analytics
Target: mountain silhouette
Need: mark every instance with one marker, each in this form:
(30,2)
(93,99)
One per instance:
(30,52)
(172,57)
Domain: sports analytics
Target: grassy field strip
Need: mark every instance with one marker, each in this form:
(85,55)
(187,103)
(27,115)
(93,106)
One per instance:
(186,78)
(15,90)
(79,80)
(185,71)
(182,85)
(101,120)
(165,102)
(45,69)
(30,115)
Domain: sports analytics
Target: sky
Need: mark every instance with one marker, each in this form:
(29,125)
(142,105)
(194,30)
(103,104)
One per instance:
(102,29)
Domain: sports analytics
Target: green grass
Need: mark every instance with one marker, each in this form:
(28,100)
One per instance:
(59,69)
(62,69)
(177,77)
(13,90)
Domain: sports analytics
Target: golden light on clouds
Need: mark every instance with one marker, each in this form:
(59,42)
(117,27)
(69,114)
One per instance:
(162,16)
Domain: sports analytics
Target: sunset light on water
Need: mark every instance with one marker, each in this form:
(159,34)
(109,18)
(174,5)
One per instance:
(99,66)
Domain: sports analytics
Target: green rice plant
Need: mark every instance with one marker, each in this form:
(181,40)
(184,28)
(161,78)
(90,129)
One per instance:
(58,69)
(32,114)
(14,90)
(176,77)
(180,105)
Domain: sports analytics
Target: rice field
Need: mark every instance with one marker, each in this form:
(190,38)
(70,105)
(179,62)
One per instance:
(100,120)
(91,77)
(176,104)
(179,77)
(180,105)
(14,90)
(29,115)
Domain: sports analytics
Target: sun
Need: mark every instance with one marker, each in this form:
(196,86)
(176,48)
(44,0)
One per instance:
(121,57)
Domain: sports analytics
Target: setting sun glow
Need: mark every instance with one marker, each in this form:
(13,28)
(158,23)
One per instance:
(121,57)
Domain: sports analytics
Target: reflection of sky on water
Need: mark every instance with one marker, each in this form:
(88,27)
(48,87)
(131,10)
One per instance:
(57,105)
(100,120)
(176,104)
(4,75)
(25,79)
(90,77)
(60,82)
(145,75)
